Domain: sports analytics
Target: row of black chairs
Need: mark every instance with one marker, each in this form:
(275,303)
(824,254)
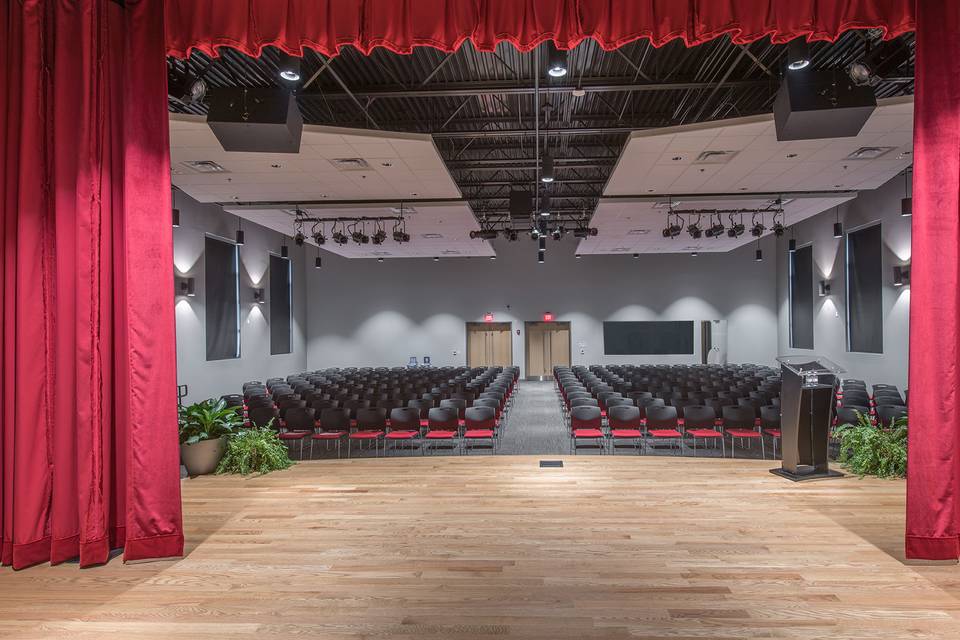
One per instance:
(607,419)
(460,420)
(883,403)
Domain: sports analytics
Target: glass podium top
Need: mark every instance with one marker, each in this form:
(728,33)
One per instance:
(810,365)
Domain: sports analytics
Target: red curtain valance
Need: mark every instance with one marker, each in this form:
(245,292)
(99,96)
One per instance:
(400,25)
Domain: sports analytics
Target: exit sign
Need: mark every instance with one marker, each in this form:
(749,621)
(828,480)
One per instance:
(547,316)
(488,317)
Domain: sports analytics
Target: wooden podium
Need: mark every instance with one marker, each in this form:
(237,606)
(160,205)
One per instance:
(808,389)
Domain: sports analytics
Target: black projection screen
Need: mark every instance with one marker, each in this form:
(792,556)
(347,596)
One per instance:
(279,305)
(801,298)
(648,338)
(222,299)
(865,290)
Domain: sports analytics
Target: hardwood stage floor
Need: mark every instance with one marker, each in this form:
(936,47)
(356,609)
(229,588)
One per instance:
(485,547)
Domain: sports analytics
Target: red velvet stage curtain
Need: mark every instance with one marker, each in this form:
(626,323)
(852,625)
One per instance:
(328,25)
(933,469)
(88,439)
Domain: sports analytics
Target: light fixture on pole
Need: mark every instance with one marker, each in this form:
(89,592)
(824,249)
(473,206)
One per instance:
(906,204)
(556,61)
(289,67)
(546,166)
(798,54)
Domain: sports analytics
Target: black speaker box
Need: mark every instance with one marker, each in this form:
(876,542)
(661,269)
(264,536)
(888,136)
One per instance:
(262,120)
(521,204)
(821,104)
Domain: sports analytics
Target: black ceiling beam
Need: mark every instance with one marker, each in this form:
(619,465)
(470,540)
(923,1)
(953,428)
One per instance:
(512,133)
(510,88)
(497,163)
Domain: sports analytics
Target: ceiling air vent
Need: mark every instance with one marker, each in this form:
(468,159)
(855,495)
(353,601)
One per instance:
(712,156)
(204,166)
(350,164)
(869,153)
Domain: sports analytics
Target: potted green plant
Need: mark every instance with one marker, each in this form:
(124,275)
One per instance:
(257,450)
(204,428)
(869,450)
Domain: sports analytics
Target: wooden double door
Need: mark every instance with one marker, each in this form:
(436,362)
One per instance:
(489,344)
(548,346)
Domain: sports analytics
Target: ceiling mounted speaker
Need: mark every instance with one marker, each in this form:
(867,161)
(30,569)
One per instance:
(521,204)
(821,104)
(262,120)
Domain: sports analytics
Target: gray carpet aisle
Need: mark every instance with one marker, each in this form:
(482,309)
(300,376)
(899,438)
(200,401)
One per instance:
(535,423)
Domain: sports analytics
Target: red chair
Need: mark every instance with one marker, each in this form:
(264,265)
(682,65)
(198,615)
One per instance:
(586,424)
(443,424)
(770,425)
(740,422)
(404,426)
(625,424)
(700,421)
(662,424)
(371,426)
(480,424)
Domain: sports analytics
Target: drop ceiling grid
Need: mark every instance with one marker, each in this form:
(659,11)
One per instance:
(401,166)
(662,161)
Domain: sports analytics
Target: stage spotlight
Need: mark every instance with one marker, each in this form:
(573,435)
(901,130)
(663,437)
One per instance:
(798,54)
(299,238)
(715,231)
(557,233)
(359,237)
(319,238)
(736,230)
(695,231)
(188,90)
(379,236)
(556,61)
(535,233)
(511,235)
(778,229)
(757,229)
(878,62)
(289,67)
(340,238)
(672,230)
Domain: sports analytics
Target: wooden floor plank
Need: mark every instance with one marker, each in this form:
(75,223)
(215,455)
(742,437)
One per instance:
(495,547)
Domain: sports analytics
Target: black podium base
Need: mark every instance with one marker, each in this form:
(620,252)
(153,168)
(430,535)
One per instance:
(802,477)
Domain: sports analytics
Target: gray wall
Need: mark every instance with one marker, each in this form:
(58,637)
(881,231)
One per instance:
(212,379)
(364,313)
(829,337)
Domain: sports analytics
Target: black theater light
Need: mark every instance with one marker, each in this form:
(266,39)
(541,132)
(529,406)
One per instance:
(288,67)
(792,245)
(798,54)
(284,250)
(556,61)
(542,244)
(546,166)
(240,239)
(540,256)
(557,233)
(906,204)
(837,226)
(175,216)
(757,230)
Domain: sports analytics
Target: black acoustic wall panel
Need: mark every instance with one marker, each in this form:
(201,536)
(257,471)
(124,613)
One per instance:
(648,338)
(801,298)
(865,290)
(222,306)
(280,299)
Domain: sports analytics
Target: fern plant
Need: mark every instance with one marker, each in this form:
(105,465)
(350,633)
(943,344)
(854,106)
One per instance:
(254,451)
(868,450)
(208,420)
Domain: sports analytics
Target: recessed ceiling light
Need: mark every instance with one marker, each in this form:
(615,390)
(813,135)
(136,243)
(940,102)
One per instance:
(386,164)
(869,153)
(275,166)
(431,236)
(676,158)
(414,194)
(791,155)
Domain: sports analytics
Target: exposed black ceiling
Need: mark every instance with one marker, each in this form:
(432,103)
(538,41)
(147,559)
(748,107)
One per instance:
(480,107)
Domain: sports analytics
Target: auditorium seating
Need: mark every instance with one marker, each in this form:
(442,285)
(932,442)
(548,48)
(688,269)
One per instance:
(382,409)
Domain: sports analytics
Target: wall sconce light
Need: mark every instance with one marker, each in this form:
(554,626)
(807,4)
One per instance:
(259,297)
(901,276)
(186,287)
(824,288)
